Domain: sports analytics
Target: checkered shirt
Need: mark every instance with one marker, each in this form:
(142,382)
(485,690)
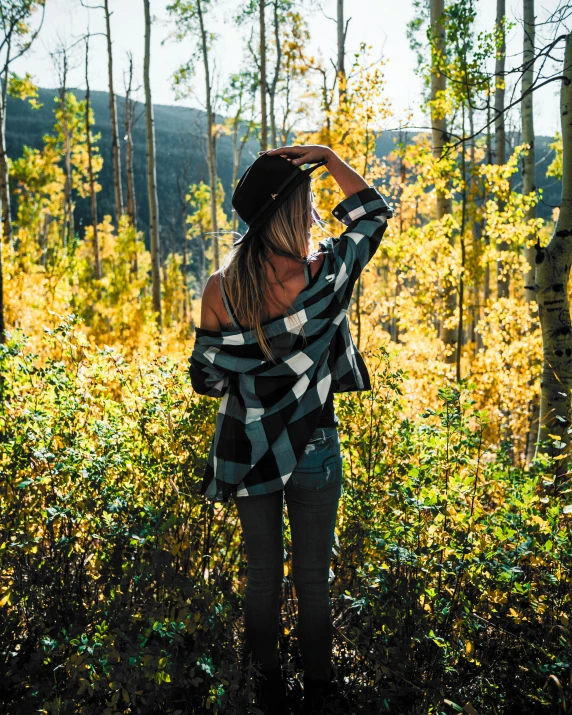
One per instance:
(270,409)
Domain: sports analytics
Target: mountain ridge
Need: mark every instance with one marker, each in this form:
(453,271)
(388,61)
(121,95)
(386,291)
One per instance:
(177,130)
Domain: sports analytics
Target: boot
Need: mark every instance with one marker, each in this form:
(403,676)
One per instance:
(318,694)
(271,697)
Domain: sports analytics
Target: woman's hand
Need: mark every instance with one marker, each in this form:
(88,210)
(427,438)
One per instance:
(349,181)
(306,154)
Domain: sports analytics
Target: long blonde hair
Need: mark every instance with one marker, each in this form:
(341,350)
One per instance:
(286,233)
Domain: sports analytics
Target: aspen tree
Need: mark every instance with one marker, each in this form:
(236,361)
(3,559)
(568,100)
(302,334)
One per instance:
(552,274)
(151,174)
(239,96)
(16,37)
(129,114)
(439,139)
(528,179)
(93,198)
(62,64)
(190,17)
(263,88)
(276,21)
(527,117)
(211,136)
(182,187)
(500,134)
(113,118)
(342,31)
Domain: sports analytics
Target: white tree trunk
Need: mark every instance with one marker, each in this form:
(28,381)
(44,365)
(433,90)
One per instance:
(500,135)
(68,227)
(113,119)
(131,200)
(151,174)
(528,162)
(263,88)
(4,179)
(211,146)
(551,287)
(274,84)
(92,194)
(439,138)
(529,185)
(341,41)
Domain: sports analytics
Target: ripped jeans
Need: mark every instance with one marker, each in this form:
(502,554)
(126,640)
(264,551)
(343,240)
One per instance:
(312,494)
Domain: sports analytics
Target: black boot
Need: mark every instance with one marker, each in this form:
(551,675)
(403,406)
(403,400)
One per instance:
(271,695)
(318,694)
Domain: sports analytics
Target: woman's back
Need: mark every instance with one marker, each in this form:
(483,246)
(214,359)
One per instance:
(286,279)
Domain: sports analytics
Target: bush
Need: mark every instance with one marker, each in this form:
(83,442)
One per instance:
(121,588)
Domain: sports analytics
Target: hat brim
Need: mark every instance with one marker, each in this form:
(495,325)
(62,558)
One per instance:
(268,211)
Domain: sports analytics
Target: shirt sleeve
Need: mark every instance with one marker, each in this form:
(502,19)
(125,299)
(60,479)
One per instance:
(365,214)
(206,379)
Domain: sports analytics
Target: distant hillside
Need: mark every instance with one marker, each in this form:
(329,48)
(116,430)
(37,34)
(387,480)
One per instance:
(176,127)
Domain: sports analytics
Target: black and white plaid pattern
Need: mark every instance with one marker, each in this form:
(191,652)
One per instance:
(268,409)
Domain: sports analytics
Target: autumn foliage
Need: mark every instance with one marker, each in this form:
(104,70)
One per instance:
(121,588)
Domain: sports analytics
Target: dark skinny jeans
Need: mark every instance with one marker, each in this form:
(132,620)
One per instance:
(312,494)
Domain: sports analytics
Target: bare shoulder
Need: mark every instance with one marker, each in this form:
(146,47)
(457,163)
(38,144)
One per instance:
(213,284)
(211,303)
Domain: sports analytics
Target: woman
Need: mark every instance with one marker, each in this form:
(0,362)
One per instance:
(274,342)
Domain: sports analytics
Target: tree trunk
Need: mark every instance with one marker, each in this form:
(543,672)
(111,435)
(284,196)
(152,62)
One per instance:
(202,263)
(489,159)
(235,165)
(341,41)
(151,175)
(113,120)
(500,135)
(263,88)
(237,148)
(528,161)
(211,149)
(131,201)
(528,186)
(185,263)
(463,253)
(68,227)
(274,84)
(439,138)
(96,257)
(4,178)
(551,287)
(477,248)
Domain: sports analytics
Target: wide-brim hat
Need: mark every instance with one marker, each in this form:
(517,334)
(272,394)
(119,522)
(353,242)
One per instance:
(263,187)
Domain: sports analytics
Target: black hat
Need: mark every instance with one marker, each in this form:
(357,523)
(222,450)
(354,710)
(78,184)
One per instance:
(263,187)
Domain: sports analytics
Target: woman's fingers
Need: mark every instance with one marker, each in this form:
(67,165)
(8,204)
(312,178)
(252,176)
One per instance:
(286,150)
(297,154)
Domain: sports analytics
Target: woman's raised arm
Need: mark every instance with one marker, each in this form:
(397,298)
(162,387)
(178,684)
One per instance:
(349,181)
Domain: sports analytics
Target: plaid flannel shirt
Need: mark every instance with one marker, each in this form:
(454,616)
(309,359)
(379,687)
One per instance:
(270,409)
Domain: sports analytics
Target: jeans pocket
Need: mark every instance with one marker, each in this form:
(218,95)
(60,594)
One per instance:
(320,466)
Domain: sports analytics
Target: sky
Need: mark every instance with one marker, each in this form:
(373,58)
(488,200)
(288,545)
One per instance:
(380,23)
